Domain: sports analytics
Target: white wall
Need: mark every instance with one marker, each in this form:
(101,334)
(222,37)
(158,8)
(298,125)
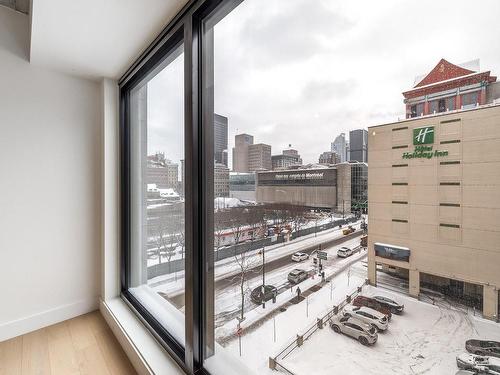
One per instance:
(50,183)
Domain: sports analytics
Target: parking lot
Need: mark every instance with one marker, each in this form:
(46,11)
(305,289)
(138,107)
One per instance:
(425,339)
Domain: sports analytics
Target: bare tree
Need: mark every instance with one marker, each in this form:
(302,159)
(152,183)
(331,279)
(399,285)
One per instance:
(171,244)
(220,224)
(297,216)
(245,263)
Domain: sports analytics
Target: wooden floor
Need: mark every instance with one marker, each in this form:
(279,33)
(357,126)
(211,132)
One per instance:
(83,345)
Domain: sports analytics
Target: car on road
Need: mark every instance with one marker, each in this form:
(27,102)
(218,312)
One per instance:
(297,276)
(490,365)
(483,347)
(299,257)
(367,315)
(257,296)
(344,252)
(373,304)
(395,307)
(364,333)
(350,229)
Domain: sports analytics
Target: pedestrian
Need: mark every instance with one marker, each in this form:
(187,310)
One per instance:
(298,293)
(323,276)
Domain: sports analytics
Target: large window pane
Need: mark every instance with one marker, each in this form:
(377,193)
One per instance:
(157,250)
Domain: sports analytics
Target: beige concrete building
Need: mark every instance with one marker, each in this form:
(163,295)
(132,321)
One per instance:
(434,203)
(335,187)
(259,157)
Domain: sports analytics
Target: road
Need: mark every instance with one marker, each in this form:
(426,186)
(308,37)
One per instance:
(228,294)
(286,260)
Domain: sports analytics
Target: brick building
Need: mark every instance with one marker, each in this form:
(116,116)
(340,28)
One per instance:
(449,87)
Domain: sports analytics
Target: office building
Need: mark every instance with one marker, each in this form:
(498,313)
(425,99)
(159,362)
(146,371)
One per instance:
(221,180)
(250,157)
(339,145)
(259,157)
(220,139)
(240,152)
(288,158)
(329,157)
(358,145)
(162,172)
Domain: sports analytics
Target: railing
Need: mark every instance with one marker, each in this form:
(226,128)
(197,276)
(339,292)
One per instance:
(274,362)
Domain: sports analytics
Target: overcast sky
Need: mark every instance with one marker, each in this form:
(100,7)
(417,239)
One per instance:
(302,71)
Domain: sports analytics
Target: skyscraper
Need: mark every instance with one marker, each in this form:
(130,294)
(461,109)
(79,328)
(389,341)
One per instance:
(220,139)
(358,145)
(240,152)
(339,146)
(249,157)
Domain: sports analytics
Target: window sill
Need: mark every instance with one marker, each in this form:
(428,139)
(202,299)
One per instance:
(145,353)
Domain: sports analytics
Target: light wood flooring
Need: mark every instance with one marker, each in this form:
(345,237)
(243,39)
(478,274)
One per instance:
(83,345)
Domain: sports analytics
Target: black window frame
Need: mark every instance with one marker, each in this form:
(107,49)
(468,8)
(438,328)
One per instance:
(186,28)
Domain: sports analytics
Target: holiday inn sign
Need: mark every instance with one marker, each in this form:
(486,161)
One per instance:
(422,138)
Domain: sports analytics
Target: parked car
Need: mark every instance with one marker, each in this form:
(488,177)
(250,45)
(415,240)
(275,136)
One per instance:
(483,347)
(299,257)
(490,365)
(270,292)
(367,315)
(297,276)
(364,333)
(344,252)
(372,304)
(396,308)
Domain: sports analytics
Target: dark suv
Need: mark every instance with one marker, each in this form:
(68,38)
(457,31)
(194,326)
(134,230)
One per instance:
(270,292)
(372,304)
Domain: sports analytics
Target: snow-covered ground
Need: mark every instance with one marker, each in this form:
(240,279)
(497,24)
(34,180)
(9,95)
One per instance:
(229,299)
(259,344)
(424,340)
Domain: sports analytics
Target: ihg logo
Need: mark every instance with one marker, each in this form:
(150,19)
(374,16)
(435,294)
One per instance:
(423,136)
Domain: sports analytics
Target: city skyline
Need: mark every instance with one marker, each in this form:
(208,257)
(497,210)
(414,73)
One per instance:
(347,70)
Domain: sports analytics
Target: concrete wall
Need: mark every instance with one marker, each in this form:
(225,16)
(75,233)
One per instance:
(312,196)
(50,155)
(465,197)
(344,187)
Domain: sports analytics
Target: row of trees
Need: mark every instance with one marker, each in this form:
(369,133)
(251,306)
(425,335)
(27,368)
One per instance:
(254,222)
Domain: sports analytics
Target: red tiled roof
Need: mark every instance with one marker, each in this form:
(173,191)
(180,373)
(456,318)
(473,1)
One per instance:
(444,70)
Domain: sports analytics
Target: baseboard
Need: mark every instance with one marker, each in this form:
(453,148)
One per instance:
(46,318)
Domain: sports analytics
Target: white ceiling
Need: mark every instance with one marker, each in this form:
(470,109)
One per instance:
(96,38)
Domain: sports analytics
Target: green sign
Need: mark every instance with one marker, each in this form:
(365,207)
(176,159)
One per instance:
(322,255)
(423,136)
(424,152)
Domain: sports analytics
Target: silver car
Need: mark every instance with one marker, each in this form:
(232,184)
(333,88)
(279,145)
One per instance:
(297,276)
(364,333)
(367,315)
(478,363)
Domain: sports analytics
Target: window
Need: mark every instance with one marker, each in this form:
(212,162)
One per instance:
(433,106)
(211,228)
(155,238)
(470,100)
(450,103)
